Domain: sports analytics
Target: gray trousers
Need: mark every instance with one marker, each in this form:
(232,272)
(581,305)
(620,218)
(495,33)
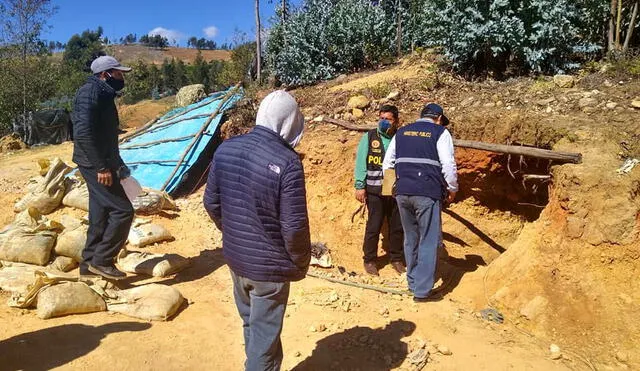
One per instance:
(422,225)
(261,306)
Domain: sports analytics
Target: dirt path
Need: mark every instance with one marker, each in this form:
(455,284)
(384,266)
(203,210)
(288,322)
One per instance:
(375,333)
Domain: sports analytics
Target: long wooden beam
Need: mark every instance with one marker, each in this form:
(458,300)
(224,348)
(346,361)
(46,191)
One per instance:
(562,157)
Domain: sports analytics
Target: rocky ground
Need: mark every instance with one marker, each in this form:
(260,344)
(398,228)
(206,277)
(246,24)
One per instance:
(554,258)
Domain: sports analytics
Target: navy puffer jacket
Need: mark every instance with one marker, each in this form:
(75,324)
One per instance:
(256,195)
(95,126)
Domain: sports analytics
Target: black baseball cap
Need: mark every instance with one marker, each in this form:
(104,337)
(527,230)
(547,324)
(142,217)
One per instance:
(434,111)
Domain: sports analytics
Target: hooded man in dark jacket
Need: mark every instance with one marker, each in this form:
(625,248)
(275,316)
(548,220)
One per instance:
(95,151)
(256,196)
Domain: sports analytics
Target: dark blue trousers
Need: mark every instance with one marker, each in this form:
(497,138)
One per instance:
(261,306)
(110,217)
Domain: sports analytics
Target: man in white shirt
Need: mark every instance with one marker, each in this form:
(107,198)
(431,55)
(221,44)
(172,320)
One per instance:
(426,175)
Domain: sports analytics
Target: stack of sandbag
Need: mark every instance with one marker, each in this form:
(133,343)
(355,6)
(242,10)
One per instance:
(156,265)
(29,239)
(45,194)
(77,192)
(56,295)
(153,302)
(16,277)
(143,233)
(153,202)
(72,240)
(69,298)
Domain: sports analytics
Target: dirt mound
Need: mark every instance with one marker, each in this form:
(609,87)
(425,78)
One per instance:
(559,251)
(136,115)
(10,143)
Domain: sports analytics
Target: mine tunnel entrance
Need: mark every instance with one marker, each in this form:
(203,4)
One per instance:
(519,185)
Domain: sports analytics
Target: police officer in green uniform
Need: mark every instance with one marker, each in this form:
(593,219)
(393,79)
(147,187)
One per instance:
(368,184)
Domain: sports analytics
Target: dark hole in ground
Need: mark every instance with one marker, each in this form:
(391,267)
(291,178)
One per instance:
(497,181)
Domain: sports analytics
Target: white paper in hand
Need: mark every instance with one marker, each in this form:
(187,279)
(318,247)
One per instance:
(131,187)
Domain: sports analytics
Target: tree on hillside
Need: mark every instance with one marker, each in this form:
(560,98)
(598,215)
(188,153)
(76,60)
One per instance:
(258,44)
(192,42)
(129,39)
(138,84)
(179,74)
(622,14)
(82,49)
(168,75)
(22,24)
(199,72)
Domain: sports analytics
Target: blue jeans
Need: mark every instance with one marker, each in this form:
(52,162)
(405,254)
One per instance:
(421,220)
(261,306)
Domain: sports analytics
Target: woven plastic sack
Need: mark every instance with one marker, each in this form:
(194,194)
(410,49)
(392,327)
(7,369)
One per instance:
(156,265)
(153,302)
(64,264)
(29,239)
(47,195)
(143,233)
(77,195)
(152,202)
(68,298)
(72,240)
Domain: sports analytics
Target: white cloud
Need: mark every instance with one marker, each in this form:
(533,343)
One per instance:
(171,35)
(211,31)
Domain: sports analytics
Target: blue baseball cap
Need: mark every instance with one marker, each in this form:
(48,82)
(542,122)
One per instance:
(434,111)
(106,63)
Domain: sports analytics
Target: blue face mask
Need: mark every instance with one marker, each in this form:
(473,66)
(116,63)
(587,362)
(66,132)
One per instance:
(384,126)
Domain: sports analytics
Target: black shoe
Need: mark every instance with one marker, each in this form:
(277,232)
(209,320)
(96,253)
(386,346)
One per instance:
(429,298)
(111,272)
(84,270)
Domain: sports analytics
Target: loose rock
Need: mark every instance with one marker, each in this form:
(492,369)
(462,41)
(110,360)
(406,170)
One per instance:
(359,101)
(444,350)
(587,102)
(393,95)
(622,357)
(564,81)
(357,113)
(555,351)
(636,103)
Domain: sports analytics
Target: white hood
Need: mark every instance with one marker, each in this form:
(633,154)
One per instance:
(279,112)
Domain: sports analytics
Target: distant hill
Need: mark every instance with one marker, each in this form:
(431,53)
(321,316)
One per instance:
(134,52)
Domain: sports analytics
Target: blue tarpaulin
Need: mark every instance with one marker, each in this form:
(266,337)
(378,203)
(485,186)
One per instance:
(154,153)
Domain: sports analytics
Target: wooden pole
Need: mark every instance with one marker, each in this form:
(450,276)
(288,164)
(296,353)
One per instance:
(164,123)
(575,158)
(563,157)
(152,162)
(360,285)
(141,129)
(198,135)
(149,144)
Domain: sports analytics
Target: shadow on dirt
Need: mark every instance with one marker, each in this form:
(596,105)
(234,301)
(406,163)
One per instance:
(56,346)
(361,348)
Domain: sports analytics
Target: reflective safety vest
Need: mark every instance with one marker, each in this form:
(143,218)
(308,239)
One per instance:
(374,162)
(418,168)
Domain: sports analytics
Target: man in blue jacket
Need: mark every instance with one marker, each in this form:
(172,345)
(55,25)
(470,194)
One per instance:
(256,196)
(95,151)
(426,175)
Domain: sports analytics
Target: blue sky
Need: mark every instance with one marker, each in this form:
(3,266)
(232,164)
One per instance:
(212,19)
